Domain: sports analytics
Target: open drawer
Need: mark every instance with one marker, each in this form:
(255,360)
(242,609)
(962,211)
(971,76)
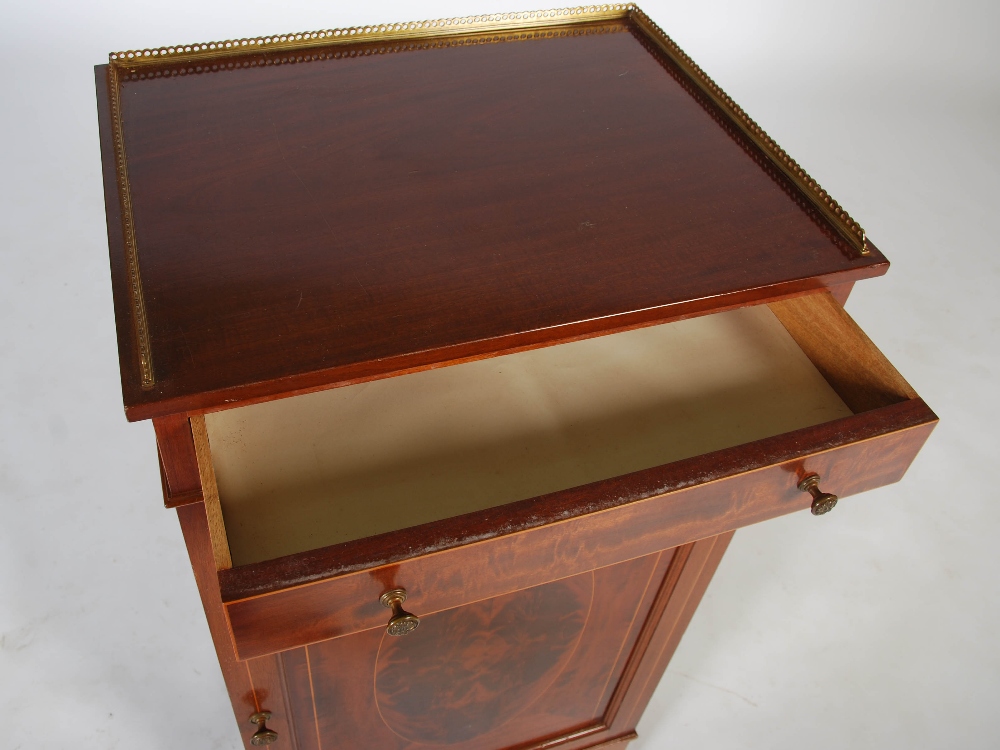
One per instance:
(476,480)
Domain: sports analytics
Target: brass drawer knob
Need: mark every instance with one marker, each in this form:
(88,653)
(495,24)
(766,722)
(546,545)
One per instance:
(823,502)
(263,735)
(401,622)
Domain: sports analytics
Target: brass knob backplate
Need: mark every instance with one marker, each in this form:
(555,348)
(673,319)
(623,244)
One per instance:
(263,735)
(401,622)
(823,502)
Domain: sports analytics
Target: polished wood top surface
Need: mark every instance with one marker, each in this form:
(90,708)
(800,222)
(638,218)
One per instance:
(389,209)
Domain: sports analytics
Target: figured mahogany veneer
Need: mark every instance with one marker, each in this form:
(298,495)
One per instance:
(315,595)
(562,654)
(293,214)
(309,626)
(604,662)
(270,609)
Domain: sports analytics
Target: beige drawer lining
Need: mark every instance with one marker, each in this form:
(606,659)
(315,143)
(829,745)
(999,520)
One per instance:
(323,468)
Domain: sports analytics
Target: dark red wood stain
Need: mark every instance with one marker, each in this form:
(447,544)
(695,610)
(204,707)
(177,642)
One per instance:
(863,468)
(505,672)
(268,613)
(339,216)
(467,671)
(310,220)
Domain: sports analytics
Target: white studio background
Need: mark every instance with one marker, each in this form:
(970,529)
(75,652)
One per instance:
(873,627)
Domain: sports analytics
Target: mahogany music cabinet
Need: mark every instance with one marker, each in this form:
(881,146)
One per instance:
(468,344)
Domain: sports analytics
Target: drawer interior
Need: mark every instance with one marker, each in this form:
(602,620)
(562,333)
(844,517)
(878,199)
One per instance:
(315,470)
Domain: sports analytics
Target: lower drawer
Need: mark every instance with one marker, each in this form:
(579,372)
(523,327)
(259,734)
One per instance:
(806,393)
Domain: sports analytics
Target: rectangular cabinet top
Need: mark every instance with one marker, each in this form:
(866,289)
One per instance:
(296,212)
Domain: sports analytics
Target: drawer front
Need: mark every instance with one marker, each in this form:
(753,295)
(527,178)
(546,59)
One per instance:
(274,606)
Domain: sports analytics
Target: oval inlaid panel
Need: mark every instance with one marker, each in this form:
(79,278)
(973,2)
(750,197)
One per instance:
(468,670)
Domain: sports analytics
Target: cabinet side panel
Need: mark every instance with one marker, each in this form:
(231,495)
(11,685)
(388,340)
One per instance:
(194,525)
(669,618)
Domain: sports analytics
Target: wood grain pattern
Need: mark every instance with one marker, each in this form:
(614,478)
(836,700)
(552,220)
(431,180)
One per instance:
(210,492)
(581,529)
(255,685)
(339,233)
(177,459)
(664,595)
(297,669)
(171,500)
(448,681)
(668,627)
(467,671)
(350,463)
(306,249)
(385,549)
(270,686)
(194,525)
(842,352)
(639,611)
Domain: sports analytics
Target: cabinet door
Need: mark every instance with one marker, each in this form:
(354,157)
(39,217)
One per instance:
(569,663)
